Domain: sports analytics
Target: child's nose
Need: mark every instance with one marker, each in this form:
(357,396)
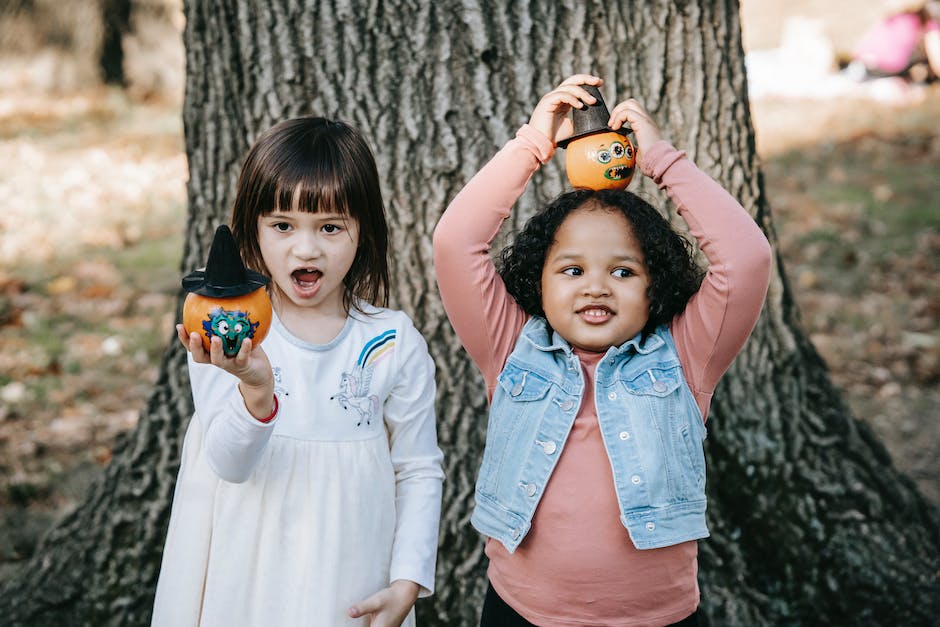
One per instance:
(596,286)
(307,246)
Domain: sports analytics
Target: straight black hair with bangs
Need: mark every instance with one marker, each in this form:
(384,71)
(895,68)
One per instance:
(316,165)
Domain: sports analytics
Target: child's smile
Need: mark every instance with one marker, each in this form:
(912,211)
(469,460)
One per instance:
(595,314)
(594,281)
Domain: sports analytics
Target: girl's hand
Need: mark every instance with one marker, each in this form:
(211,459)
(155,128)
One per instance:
(551,113)
(252,368)
(388,607)
(645,129)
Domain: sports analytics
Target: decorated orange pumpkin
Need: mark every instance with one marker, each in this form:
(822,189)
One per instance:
(232,319)
(226,299)
(597,157)
(600,161)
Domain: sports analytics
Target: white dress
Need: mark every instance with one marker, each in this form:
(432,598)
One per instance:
(292,522)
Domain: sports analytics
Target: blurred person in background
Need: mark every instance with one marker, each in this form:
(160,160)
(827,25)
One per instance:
(906,43)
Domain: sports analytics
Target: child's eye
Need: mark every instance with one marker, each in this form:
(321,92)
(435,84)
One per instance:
(622,273)
(574,271)
(332,228)
(282,227)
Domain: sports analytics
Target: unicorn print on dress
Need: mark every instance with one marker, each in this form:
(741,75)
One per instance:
(279,382)
(354,384)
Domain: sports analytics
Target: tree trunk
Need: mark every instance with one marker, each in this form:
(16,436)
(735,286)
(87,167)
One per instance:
(115,24)
(810,522)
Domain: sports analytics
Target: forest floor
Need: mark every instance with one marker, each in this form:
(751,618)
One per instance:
(93,191)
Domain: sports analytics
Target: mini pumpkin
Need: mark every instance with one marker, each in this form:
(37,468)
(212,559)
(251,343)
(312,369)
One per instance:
(597,157)
(600,161)
(226,299)
(233,319)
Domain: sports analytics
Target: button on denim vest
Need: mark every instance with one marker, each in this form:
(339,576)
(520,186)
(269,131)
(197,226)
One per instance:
(651,426)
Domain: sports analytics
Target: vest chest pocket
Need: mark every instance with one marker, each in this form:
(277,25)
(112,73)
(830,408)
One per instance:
(667,425)
(522,385)
(518,405)
(659,381)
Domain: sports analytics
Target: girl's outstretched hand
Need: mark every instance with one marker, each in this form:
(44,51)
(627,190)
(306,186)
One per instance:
(645,129)
(250,365)
(550,115)
(388,607)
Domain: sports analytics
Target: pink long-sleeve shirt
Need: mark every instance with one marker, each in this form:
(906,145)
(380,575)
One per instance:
(577,565)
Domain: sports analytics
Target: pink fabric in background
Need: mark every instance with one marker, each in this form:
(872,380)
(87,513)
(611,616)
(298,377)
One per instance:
(890,45)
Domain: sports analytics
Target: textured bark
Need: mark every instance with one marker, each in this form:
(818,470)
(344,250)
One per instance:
(810,522)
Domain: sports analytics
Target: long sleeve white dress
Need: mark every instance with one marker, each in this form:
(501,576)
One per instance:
(293,521)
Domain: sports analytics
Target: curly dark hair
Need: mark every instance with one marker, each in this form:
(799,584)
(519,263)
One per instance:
(674,275)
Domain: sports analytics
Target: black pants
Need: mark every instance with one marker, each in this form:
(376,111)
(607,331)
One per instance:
(496,613)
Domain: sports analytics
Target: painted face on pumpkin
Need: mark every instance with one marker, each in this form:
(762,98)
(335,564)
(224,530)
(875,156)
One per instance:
(232,327)
(600,161)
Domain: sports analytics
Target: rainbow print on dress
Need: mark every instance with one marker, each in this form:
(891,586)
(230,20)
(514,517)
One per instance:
(354,385)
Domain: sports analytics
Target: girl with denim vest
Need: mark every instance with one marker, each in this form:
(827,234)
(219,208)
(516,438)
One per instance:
(309,488)
(600,343)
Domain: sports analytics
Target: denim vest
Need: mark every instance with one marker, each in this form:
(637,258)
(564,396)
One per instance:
(651,427)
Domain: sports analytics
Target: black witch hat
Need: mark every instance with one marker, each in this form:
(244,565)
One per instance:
(592,119)
(225,274)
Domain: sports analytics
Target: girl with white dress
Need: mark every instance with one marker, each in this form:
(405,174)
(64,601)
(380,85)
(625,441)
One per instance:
(309,490)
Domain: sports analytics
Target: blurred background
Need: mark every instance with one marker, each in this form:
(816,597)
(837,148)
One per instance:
(92,186)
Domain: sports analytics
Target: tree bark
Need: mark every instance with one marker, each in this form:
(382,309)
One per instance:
(115,24)
(811,524)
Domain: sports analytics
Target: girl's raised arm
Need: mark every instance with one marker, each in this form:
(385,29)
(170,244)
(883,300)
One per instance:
(484,315)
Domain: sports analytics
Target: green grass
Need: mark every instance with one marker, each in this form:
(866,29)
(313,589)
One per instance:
(152,263)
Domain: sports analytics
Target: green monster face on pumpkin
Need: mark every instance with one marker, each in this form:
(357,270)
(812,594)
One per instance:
(232,327)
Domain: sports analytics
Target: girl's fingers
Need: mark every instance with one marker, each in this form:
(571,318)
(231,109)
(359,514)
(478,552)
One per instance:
(645,129)
(571,92)
(216,355)
(579,93)
(193,344)
(629,111)
(557,103)
(559,100)
(625,110)
(550,114)
(617,120)
(244,352)
(583,79)
(366,606)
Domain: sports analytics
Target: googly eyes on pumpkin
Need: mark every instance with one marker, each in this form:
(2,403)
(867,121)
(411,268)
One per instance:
(600,161)
(616,150)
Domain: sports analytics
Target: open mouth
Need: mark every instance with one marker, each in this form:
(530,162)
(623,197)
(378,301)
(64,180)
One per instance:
(618,172)
(230,345)
(306,280)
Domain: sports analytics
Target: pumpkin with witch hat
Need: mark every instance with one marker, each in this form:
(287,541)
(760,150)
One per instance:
(226,299)
(597,157)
